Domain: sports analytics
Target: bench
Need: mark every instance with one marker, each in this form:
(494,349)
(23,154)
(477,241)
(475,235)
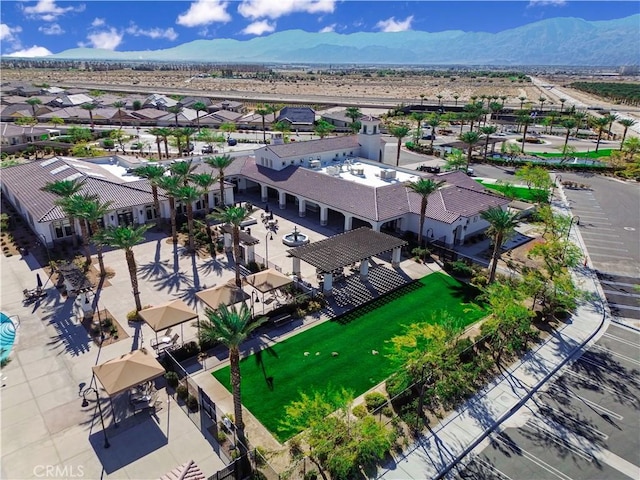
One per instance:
(281,319)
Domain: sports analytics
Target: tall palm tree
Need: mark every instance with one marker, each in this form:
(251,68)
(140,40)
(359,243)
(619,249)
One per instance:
(495,108)
(188,194)
(126,238)
(177,134)
(75,206)
(204,182)
(199,107)
(231,327)
(599,123)
(153,173)
(626,123)
(562,101)
(434,121)
(90,107)
(170,184)
(487,131)
(455,160)
(153,131)
(65,189)
(455,98)
(353,113)
(612,117)
(33,101)
(418,117)
(522,100)
(473,112)
(542,100)
(234,216)
(568,123)
(220,163)
(501,225)
(470,139)
(398,131)
(525,120)
(504,99)
(93,211)
(424,187)
(176,109)
(187,133)
(580,118)
(263,110)
(164,133)
(119,105)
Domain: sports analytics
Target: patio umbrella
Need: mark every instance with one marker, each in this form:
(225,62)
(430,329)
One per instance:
(226,294)
(168,315)
(267,281)
(122,373)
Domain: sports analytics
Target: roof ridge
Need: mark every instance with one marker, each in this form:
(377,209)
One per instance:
(123,184)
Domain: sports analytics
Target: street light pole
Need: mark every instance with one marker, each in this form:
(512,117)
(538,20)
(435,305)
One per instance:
(85,403)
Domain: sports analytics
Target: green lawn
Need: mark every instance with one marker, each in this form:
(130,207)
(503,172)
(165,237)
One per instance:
(353,336)
(520,193)
(604,152)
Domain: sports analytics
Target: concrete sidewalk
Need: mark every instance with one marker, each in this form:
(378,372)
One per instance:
(435,453)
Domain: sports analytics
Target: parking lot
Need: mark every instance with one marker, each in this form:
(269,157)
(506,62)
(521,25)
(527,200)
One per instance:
(584,425)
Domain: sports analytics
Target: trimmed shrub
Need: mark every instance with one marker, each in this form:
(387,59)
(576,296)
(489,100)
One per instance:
(374,400)
(172,379)
(360,411)
(192,403)
(182,392)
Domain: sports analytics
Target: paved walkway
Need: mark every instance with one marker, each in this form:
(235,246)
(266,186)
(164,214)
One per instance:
(435,453)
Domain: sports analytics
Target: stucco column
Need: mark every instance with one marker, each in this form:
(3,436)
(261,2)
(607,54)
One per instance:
(264,193)
(396,255)
(328,283)
(282,198)
(324,216)
(296,266)
(348,222)
(251,253)
(376,227)
(364,268)
(302,207)
(228,241)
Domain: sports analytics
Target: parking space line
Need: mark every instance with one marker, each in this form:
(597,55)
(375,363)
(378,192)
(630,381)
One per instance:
(493,468)
(604,241)
(622,294)
(590,381)
(562,442)
(589,247)
(616,354)
(621,340)
(583,232)
(621,284)
(532,458)
(590,403)
(604,255)
(560,413)
(628,307)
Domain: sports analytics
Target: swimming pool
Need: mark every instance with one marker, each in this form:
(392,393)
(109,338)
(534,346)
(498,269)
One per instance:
(7,336)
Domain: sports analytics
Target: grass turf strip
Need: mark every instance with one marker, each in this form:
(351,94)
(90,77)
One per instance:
(273,377)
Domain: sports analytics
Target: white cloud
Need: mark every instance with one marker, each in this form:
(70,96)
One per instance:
(545,3)
(107,39)
(97,22)
(34,51)
(7,33)
(275,9)
(259,28)
(204,12)
(48,11)
(328,28)
(393,25)
(136,31)
(53,29)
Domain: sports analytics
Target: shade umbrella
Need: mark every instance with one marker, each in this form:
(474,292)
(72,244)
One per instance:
(267,281)
(122,373)
(168,315)
(226,294)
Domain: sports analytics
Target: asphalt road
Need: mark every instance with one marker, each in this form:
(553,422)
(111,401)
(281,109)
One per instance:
(583,426)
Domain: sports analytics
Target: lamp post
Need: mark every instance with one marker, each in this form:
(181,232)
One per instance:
(429,236)
(85,403)
(45,246)
(271,228)
(575,219)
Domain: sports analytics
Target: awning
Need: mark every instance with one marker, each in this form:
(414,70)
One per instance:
(167,315)
(267,280)
(226,294)
(120,374)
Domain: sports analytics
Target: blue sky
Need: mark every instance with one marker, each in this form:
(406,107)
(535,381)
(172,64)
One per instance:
(36,28)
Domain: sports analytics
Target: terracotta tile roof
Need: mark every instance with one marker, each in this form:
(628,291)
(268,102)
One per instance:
(186,471)
(313,147)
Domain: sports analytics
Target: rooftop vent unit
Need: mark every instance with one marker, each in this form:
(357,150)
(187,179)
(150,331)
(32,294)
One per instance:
(357,170)
(314,164)
(388,174)
(334,171)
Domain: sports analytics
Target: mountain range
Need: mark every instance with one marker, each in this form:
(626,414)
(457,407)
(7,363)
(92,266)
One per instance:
(556,41)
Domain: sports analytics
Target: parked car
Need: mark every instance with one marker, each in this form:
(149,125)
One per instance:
(209,149)
(470,171)
(188,148)
(232,141)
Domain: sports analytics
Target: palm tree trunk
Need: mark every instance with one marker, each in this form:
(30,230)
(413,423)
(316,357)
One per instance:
(156,201)
(96,229)
(264,132)
(174,229)
(423,210)
(234,360)
(85,241)
(133,274)
(398,152)
(166,147)
(236,254)
(524,136)
(192,245)
(469,157)
(599,138)
(72,227)
(486,148)
(624,135)
(222,189)
(494,258)
(159,150)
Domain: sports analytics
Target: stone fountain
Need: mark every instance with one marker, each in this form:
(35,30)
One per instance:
(295,238)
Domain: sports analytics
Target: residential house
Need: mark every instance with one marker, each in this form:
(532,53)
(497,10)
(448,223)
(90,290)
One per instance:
(230,105)
(298,118)
(161,102)
(72,100)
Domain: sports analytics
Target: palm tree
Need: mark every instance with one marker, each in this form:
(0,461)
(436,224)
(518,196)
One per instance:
(187,133)
(473,112)
(65,189)
(487,132)
(126,238)
(154,131)
(612,117)
(580,118)
(439,97)
(75,206)
(93,211)
(455,98)
(177,134)
(501,225)
(220,163)
(353,113)
(199,107)
(495,107)
(153,173)
(522,100)
(323,128)
(176,109)
(183,170)
(504,99)
(470,139)
(231,327)
(434,121)
(525,120)
(119,105)
(422,95)
(164,133)
(455,160)
(263,110)
(90,107)
(567,123)
(33,101)
(626,123)
(398,131)
(542,100)
(600,123)
(234,216)
(562,101)
(204,182)
(170,184)
(424,187)
(188,194)
(418,117)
